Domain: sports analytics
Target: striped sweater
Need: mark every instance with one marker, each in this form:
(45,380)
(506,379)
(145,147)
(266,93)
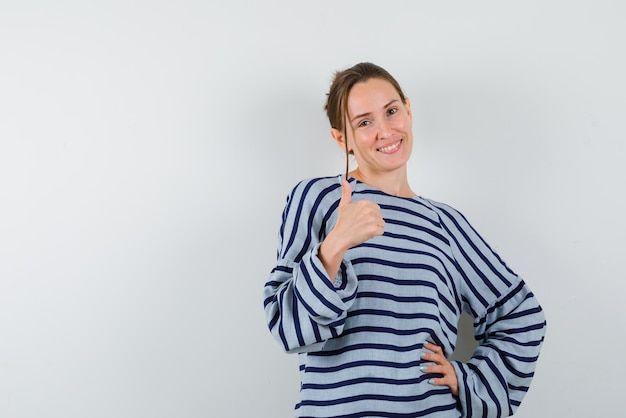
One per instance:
(359,338)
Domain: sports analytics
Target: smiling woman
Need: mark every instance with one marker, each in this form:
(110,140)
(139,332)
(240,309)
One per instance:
(371,279)
(379,122)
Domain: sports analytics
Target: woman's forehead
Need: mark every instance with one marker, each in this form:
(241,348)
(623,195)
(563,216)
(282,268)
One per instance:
(371,95)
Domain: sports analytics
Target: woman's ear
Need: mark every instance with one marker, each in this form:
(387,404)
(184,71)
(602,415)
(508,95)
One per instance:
(407,104)
(338,137)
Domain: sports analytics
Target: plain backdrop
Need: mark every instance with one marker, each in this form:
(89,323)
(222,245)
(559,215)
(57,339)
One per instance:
(147,148)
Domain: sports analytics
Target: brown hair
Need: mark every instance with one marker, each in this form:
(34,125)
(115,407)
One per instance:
(336,106)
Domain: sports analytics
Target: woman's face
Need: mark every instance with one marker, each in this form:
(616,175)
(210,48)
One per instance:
(379,127)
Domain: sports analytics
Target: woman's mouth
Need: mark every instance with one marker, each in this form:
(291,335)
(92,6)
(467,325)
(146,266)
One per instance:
(391,148)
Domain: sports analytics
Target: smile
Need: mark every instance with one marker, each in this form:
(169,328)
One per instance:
(390,148)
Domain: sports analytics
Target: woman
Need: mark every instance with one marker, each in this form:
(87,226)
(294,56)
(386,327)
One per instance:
(371,279)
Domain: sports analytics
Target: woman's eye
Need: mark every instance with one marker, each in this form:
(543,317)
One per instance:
(364,123)
(393,111)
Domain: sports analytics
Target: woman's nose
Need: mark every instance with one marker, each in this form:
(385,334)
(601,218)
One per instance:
(384,129)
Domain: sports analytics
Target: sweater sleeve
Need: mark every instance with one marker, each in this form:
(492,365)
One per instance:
(509,325)
(303,307)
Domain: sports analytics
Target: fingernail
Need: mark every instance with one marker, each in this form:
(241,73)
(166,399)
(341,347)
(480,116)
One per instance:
(422,354)
(422,368)
(431,381)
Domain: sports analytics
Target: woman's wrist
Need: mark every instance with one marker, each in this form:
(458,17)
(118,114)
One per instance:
(331,254)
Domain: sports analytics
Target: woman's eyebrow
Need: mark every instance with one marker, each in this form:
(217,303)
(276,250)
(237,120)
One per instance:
(368,113)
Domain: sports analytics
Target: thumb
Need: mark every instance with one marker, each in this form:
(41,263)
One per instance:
(346,193)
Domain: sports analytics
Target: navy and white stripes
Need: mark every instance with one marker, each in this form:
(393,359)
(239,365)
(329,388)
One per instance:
(360,337)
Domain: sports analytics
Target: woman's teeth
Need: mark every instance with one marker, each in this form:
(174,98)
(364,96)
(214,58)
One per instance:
(390,148)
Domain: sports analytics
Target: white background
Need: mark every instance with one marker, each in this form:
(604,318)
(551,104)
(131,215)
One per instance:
(147,147)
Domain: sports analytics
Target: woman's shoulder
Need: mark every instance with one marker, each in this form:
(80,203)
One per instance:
(445,211)
(438,205)
(315,185)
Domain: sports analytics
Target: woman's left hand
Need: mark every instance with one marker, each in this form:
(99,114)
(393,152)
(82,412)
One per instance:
(442,366)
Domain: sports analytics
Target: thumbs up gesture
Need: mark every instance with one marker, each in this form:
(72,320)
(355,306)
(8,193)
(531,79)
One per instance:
(359,221)
(356,223)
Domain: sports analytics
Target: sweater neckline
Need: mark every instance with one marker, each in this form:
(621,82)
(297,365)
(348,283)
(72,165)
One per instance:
(370,187)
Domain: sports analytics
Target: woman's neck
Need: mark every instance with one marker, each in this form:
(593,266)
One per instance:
(393,182)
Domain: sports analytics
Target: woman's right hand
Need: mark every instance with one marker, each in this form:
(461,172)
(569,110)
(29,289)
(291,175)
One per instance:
(359,221)
(356,223)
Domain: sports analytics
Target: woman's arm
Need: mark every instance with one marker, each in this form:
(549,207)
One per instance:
(509,325)
(304,306)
